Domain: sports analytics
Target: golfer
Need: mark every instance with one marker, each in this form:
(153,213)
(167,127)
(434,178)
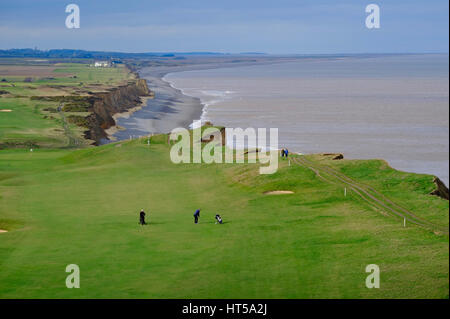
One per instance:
(196,216)
(142,217)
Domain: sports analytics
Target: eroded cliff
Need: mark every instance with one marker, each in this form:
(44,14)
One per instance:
(441,190)
(116,100)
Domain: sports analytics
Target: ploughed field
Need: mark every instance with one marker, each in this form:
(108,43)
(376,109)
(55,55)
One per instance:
(307,240)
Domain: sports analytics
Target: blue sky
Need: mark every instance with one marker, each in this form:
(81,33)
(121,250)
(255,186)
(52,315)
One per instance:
(274,26)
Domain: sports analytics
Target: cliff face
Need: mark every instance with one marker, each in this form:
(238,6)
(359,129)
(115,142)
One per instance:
(106,104)
(441,190)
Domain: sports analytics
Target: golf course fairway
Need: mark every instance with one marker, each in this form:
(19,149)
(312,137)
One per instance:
(310,240)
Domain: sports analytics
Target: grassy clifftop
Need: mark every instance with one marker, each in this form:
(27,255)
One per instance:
(45,104)
(63,207)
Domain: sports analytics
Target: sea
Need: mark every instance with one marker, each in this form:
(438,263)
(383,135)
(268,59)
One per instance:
(391,107)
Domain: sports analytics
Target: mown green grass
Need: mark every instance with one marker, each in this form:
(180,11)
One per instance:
(28,123)
(411,190)
(89,75)
(66,76)
(81,207)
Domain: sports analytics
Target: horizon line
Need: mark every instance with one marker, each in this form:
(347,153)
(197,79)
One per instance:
(221,53)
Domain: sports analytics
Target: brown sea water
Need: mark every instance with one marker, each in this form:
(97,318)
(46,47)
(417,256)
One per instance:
(389,107)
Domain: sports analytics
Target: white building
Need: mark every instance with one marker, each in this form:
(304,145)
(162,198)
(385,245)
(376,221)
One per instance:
(103,64)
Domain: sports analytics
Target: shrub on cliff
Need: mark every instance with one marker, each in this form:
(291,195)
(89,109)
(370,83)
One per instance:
(78,120)
(76,107)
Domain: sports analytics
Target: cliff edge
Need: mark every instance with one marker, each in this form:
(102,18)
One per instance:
(441,190)
(116,100)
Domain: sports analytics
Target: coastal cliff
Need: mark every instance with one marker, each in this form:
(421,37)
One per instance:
(116,100)
(99,106)
(441,190)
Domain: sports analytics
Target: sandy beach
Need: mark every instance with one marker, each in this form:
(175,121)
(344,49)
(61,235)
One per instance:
(169,109)
(116,128)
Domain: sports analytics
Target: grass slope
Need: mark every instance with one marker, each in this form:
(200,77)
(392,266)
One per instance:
(63,207)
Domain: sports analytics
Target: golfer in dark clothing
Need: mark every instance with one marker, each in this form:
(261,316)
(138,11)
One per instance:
(218,219)
(142,217)
(196,216)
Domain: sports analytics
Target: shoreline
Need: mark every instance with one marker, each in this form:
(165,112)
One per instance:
(410,162)
(116,128)
(179,109)
(171,108)
(202,103)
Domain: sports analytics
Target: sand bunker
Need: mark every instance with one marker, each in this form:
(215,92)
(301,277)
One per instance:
(3,231)
(5,110)
(278,192)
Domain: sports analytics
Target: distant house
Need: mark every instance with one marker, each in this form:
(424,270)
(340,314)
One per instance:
(101,64)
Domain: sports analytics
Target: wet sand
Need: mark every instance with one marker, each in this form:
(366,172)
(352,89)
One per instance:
(169,109)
